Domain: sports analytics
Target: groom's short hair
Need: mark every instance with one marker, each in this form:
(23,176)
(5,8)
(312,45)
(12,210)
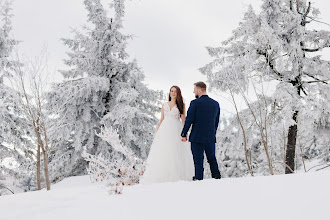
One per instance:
(201,85)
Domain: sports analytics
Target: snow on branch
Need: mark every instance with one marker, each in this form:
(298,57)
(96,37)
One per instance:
(120,168)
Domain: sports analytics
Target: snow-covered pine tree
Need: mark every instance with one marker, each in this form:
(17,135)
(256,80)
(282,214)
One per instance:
(16,155)
(101,89)
(314,141)
(276,45)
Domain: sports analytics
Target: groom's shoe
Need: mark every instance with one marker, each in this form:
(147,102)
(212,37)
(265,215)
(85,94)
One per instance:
(195,179)
(216,177)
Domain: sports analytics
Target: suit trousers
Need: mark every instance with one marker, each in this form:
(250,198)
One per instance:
(198,150)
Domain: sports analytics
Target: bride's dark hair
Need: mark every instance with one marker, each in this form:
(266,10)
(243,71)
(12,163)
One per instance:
(179,99)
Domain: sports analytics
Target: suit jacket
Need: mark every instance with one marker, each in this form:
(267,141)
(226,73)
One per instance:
(203,114)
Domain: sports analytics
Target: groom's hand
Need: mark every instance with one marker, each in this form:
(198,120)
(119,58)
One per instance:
(184,139)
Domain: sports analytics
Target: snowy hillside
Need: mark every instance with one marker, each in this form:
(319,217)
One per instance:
(299,196)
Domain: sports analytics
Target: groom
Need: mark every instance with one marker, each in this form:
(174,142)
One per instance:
(203,114)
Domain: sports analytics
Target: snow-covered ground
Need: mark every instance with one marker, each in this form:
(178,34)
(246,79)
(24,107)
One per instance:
(299,196)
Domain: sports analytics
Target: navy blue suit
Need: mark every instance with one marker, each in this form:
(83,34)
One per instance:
(203,114)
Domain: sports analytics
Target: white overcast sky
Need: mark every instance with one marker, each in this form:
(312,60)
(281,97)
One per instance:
(169,35)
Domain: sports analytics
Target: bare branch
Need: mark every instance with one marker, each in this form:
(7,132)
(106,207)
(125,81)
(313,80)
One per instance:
(313,19)
(311,50)
(323,167)
(314,49)
(302,156)
(317,166)
(318,81)
(303,90)
(304,22)
(297,5)
(243,130)
(2,185)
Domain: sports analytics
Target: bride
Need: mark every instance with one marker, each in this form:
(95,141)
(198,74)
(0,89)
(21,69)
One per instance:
(169,158)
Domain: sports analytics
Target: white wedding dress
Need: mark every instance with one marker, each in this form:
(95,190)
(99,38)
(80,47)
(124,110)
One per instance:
(169,158)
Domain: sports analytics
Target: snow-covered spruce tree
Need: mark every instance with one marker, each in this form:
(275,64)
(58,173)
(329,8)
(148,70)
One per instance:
(16,155)
(276,45)
(314,142)
(101,89)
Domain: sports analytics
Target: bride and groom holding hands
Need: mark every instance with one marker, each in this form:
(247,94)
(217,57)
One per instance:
(171,158)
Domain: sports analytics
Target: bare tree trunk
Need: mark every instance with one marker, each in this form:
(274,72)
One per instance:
(293,130)
(291,146)
(46,157)
(45,153)
(302,157)
(38,168)
(284,148)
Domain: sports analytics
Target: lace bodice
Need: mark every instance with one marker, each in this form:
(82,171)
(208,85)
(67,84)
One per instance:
(171,113)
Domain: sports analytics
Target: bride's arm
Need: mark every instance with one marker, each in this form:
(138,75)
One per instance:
(183,116)
(161,118)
